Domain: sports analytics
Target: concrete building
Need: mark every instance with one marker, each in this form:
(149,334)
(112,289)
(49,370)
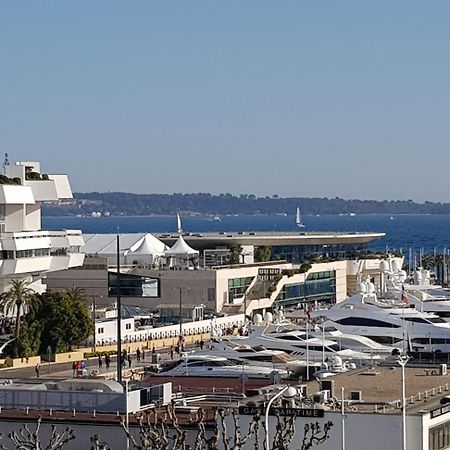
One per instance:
(27,251)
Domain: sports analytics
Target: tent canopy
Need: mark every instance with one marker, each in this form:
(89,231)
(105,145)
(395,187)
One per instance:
(181,248)
(147,245)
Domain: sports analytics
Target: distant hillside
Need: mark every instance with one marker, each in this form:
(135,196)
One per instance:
(120,203)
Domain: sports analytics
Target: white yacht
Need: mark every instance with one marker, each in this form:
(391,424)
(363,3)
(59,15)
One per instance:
(388,321)
(245,354)
(421,293)
(216,366)
(297,345)
(355,342)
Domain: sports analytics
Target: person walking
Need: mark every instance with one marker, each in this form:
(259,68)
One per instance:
(143,355)
(74,369)
(171,352)
(100,362)
(37,369)
(107,360)
(129,360)
(138,355)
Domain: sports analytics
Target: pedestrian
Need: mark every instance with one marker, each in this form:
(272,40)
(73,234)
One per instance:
(138,355)
(143,354)
(202,343)
(74,369)
(107,360)
(36,369)
(129,361)
(153,350)
(100,362)
(171,352)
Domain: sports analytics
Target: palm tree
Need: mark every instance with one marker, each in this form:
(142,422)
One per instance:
(19,299)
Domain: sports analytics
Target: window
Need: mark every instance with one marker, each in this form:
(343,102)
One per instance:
(101,330)
(365,322)
(416,319)
(127,326)
(133,285)
(237,287)
(319,286)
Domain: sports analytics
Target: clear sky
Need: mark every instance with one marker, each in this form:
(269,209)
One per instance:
(295,98)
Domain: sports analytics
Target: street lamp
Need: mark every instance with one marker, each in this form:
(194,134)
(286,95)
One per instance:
(180,306)
(402,360)
(288,392)
(94,316)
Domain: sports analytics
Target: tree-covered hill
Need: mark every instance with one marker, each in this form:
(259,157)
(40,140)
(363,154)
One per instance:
(121,203)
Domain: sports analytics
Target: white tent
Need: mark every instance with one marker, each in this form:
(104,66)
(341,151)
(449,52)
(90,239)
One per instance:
(181,248)
(181,254)
(146,250)
(141,247)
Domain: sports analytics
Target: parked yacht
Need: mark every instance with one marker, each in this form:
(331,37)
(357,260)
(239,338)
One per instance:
(421,293)
(216,366)
(388,321)
(296,344)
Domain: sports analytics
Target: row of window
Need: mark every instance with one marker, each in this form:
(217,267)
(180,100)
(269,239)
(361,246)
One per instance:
(439,437)
(101,330)
(321,287)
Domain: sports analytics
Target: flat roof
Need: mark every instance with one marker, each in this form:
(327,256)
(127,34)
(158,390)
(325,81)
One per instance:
(264,238)
(382,385)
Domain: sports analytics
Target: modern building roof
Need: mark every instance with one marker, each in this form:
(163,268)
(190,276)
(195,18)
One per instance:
(382,386)
(211,240)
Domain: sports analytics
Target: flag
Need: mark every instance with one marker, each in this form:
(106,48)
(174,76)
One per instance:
(404,297)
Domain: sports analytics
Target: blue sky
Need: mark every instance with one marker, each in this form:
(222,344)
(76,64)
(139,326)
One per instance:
(295,98)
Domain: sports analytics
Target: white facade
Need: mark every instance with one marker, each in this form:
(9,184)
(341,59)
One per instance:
(26,251)
(106,329)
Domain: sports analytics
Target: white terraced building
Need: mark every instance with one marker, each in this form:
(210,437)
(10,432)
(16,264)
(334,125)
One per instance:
(27,251)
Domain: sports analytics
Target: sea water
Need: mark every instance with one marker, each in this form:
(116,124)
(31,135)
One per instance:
(427,232)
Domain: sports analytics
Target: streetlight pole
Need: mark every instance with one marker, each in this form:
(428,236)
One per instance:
(289,393)
(343,418)
(119,316)
(180,317)
(402,360)
(94,314)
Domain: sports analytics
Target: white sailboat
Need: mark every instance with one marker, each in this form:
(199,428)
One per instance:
(179,227)
(298,219)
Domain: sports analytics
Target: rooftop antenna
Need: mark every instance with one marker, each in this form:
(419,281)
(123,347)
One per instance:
(5,163)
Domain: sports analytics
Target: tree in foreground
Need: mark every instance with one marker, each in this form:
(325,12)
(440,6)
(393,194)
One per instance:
(26,439)
(18,300)
(61,321)
(162,431)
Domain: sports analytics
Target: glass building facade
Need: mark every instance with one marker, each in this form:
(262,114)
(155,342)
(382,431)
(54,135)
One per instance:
(319,286)
(301,253)
(237,287)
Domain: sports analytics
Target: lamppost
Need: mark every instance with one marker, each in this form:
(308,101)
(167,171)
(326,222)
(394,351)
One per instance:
(180,307)
(119,316)
(288,392)
(402,360)
(94,316)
